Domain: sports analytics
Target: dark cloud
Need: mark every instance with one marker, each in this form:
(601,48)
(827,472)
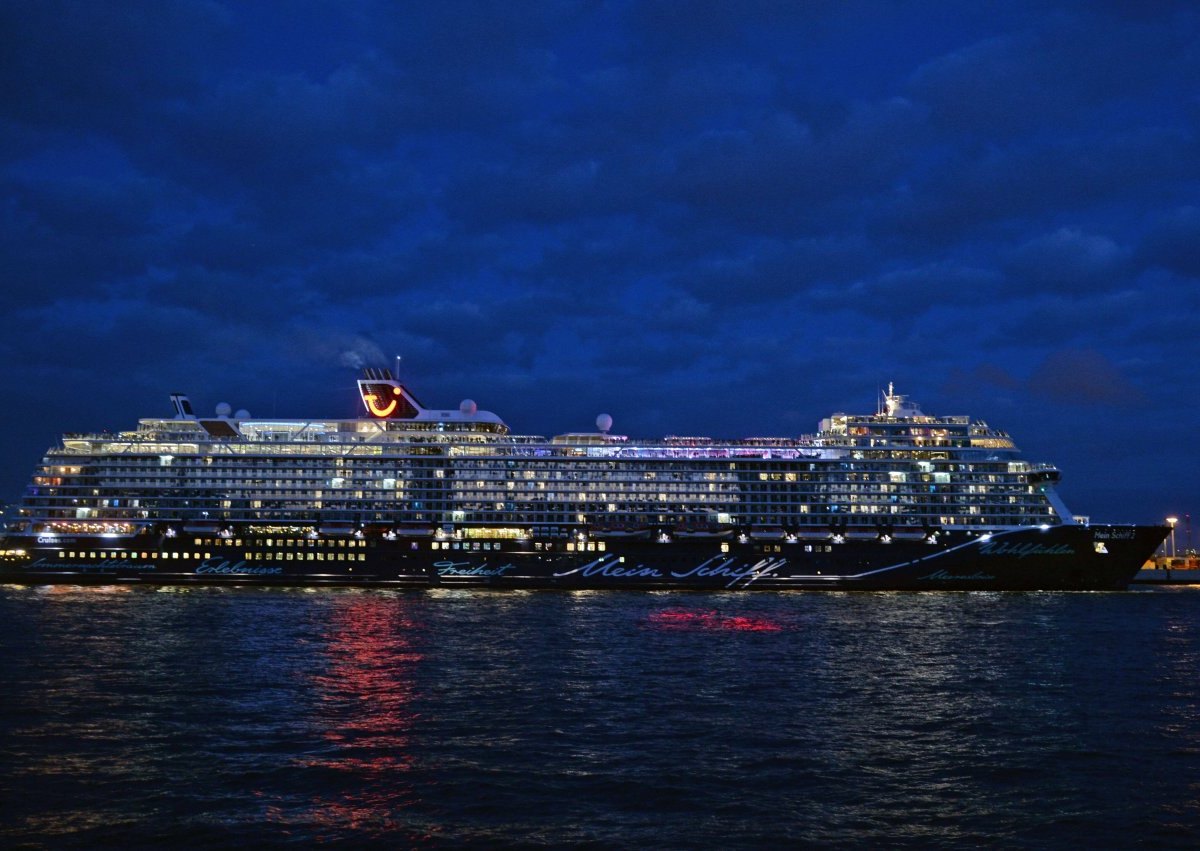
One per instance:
(983,378)
(906,293)
(85,67)
(75,233)
(718,217)
(779,174)
(1062,71)
(1083,318)
(768,270)
(1083,377)
(1174,243)
(1069,260)
(993,193)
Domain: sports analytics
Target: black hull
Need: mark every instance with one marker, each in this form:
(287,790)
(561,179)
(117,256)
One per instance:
(1069,558)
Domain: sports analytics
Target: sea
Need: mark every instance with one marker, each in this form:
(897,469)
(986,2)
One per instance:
(216,718)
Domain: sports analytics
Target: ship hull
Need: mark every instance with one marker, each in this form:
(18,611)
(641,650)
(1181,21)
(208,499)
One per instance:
(1070,558)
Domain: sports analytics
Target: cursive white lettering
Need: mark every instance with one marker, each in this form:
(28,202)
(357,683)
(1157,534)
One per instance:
(978,576)
(717,566)
(222,567)
(1004,548)
(611,567)
(465,568)
(106,564)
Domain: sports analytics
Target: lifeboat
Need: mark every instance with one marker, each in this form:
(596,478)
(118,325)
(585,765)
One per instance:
(693,532)
(413,530)
(623,532)
(337,527)
(768,533)
(202,527)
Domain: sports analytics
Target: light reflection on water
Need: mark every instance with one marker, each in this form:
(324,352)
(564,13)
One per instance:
(362,706)
(208,717)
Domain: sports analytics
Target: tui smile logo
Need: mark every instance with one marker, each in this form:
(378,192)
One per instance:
(375,407)
(386,401)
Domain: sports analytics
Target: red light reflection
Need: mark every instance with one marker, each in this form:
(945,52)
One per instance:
(363,709)
(711,621)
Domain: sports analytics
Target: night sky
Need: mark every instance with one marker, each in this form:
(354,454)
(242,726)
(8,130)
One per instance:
(723,218)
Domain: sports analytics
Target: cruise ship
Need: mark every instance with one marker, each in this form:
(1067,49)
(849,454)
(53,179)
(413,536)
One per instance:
(405,496)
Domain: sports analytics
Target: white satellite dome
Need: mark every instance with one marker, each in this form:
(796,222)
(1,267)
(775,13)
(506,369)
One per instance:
(223,409)
(604,423)
(468,407)
(242,414)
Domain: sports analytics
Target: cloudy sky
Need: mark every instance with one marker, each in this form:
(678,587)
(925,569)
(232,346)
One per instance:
(726,218)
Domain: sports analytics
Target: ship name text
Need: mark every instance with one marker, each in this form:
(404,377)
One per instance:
(1115,534)
(106,564)
(465,568)
(978,576)
(1003,548)
(611,567)
(224,567)
(714,568)
(728,568)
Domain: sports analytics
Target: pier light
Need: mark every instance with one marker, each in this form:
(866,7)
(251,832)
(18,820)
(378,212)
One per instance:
(1171,521)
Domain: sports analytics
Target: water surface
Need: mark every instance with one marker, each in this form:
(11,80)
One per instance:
(200,718)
